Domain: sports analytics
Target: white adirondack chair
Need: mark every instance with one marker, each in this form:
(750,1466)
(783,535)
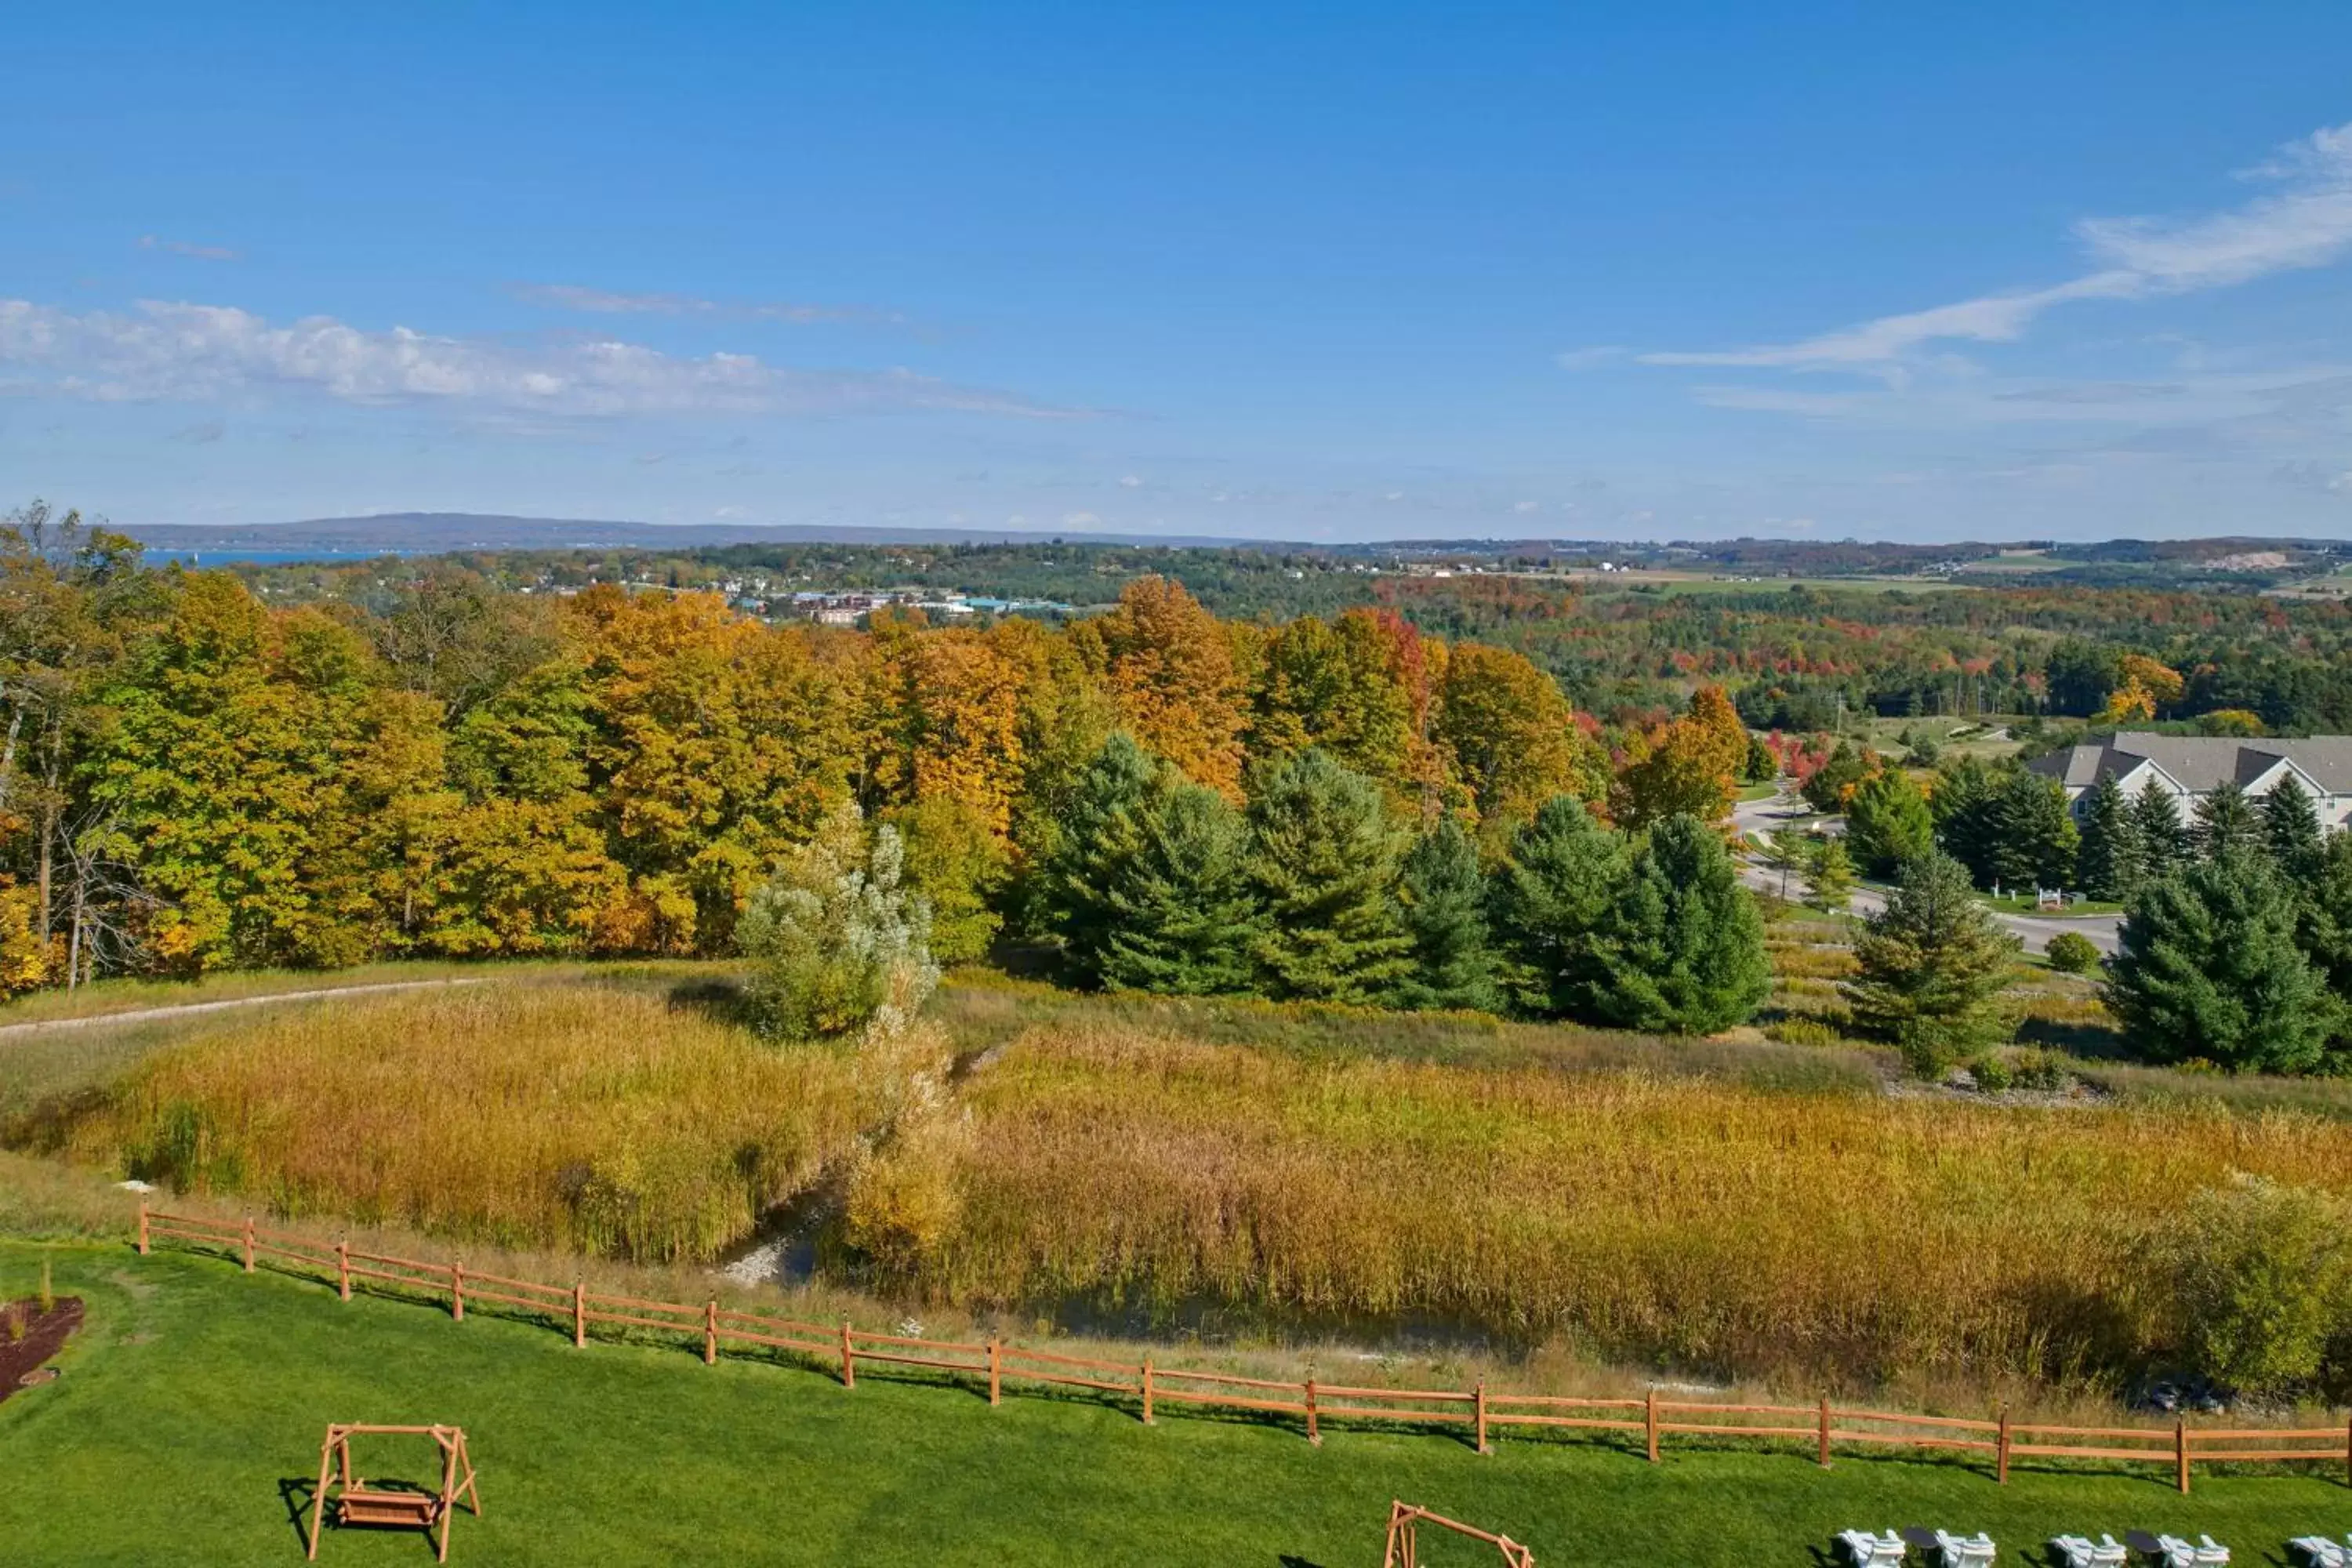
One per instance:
(1865,1550)
(2081,1552)
(1965,1551)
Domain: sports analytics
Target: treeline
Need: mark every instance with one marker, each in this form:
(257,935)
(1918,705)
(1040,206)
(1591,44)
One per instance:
(192,778)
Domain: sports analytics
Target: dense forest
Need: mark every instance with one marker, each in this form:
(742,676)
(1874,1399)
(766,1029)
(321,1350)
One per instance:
(1801,656)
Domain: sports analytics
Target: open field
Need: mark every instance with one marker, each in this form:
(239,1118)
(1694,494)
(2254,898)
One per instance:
(191,1408)
(518,1114)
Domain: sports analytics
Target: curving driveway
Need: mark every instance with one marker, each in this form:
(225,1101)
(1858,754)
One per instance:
(1764,815)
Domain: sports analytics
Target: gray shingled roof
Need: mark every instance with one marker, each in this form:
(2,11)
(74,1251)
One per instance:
(2202,762)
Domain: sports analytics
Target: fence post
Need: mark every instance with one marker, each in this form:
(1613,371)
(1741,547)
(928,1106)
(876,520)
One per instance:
(579,1314)
(456,1292)
(710,1332)
(1479,1395)
(248,1244)
(343,1269)
(995,1369)
(1147,1391)
(2003,1462)
(142,1227)
(2180,1450)
(1825,1432)
(1314,1432)
(1649,1422)
(849,1357)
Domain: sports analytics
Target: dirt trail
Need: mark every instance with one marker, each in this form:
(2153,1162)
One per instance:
(142,1014)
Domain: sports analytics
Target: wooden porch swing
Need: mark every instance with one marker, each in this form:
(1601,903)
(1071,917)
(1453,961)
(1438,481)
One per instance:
(1404,1516)
(358,1503)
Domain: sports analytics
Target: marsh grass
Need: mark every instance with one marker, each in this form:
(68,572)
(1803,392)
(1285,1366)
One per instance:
(595,1117)
(1633,1215)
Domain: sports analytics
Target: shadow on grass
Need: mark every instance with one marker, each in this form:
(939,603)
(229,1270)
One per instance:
(295,1492)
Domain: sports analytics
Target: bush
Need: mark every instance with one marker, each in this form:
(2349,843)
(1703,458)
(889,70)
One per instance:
(833,939)
(1802,1031)
(2070,952)
(1991,1073)
(2042,1071)
(2260,1275)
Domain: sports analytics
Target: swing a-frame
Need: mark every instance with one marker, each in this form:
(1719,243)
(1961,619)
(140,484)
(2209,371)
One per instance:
(356,1502)
(1403,1517)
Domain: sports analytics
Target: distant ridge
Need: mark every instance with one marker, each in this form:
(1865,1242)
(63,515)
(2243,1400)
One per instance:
(436,533)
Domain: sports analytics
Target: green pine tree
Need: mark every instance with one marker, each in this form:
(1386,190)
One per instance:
(1965,800)
(1324,860)
(1789,851)
(2226,823)
(1828,876)
(2291,829)
(2209,967)
(1183,920)
(1932,966)
(1444,894)
(1889,823)
(2035,837)
(2163,840)
(2109,860)
(1087,851)
(1551,896)
(1683,951)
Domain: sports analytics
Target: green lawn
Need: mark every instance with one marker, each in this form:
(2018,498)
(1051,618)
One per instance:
(189,1415)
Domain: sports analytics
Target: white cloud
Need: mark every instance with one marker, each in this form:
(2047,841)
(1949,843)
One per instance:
(1523,507)
(182,248)
(1130,482)
(2307,222)
(729,511)
(162,350)
(607,303)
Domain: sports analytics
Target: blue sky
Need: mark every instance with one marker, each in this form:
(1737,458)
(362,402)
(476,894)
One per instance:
(1666,270)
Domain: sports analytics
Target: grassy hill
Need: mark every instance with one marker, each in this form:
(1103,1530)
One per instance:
(191,1408)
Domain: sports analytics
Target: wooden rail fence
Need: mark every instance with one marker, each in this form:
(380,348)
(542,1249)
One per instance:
(1478,1411)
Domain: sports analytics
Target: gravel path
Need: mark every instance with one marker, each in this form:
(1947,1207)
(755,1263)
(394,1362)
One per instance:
(142,1014)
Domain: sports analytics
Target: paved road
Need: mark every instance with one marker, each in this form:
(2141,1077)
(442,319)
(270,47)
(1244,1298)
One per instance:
(1763,815)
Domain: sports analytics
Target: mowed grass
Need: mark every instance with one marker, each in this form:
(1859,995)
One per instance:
(523,1116)
(1661,1220)
(187,1427)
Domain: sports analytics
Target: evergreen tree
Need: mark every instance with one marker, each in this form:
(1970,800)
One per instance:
(2035,839)
(1551,896)
(2162,839)
(1789,851)
(1932,966)
(2209,967)
(2109,860)
(1323,861)
(1683,946)
(1888,823)
(1445,898)
(2291,829)
(2226,823)
(1829,877)
(1092,839)
(1966,796)
(2324,925)
(1182,917)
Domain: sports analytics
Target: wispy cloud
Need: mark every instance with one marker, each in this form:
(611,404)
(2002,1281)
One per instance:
(162,350)
(607,302)
(2305,221)
(185,247)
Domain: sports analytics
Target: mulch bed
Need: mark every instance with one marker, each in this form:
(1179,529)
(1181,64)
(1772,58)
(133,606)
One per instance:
(45,1334)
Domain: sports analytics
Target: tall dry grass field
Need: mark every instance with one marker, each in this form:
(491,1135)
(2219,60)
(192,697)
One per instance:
(1861,1240)
(523,1116)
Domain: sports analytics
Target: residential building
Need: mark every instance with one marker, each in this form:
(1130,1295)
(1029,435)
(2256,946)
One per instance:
(2189,767)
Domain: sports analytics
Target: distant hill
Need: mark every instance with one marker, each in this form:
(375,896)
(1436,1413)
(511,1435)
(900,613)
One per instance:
(436,533)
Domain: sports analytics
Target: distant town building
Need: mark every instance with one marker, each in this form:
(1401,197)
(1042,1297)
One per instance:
(2189,767)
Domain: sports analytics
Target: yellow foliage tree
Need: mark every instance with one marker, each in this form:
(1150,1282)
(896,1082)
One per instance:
(1171,672)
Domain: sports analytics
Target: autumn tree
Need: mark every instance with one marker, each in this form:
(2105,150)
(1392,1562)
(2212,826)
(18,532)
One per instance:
(1170,673)
(1512,737)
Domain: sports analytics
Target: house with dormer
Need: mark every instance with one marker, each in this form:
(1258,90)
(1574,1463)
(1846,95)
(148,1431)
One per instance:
(2190,767)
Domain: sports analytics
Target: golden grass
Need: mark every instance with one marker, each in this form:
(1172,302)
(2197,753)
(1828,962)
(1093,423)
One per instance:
(593,1119)
(1633,1216)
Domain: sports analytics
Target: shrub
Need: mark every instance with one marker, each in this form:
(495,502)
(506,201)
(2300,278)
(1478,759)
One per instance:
(2042,1071)
(2070,952)
(1802,1031)
(2260,1276)
(833,939)
(1991,1073)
